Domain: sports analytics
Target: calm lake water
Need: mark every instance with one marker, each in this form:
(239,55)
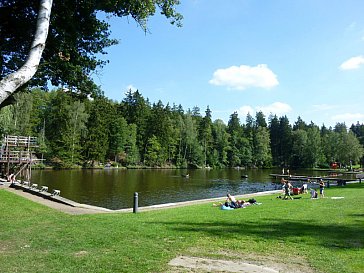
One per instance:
(114,188)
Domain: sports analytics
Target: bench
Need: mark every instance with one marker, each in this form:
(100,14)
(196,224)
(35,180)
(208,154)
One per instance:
(25,183)
(34,186)
(56,192)
(43,189)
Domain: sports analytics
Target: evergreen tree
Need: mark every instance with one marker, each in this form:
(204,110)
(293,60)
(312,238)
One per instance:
(235,133)
(340,127)
(159,127)
(96,143)
(274,132)
(299,124)
(285,143)
(136,110)
(205,136)
(260,120)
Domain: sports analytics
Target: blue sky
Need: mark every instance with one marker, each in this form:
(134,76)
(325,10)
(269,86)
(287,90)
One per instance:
(287,57)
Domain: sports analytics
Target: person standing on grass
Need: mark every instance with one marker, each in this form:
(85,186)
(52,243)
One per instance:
(322,186)
(287,190)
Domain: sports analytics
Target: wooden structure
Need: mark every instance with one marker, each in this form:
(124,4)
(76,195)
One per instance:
(316,179)
(17,156)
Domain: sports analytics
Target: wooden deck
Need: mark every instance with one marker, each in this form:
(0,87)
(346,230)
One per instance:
(311,178)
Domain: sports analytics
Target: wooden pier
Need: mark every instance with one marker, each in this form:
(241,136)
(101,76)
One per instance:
(316,179)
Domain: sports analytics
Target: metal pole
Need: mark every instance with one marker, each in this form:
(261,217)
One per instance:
(135,208)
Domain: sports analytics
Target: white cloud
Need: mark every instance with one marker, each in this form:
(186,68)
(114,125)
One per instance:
(352,63)
(244,110)
(277,108)
(348,118)
(242,77)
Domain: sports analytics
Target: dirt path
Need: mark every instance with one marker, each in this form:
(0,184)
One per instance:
(54,205)
(197,264)
(237,263)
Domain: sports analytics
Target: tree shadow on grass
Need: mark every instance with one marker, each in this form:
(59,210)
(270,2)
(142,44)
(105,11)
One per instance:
(330,236)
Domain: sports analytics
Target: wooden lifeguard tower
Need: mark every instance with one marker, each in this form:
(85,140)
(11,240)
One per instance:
(17,155)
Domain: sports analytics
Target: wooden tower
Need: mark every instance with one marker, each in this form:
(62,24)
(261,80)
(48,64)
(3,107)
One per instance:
(17,156)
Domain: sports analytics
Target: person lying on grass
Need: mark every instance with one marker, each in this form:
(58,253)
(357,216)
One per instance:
(237,205)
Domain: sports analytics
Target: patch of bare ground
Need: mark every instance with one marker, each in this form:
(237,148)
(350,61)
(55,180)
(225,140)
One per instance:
(237,262)
(81,253)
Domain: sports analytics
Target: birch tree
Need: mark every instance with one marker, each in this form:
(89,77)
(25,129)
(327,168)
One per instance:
(64,49)
(10,83)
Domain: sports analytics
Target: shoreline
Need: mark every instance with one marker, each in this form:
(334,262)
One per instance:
(74,208)
(70,207)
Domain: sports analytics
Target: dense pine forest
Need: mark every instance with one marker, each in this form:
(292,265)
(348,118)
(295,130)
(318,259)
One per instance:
(74,131)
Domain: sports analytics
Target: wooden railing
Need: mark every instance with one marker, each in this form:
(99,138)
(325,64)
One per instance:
(20,141)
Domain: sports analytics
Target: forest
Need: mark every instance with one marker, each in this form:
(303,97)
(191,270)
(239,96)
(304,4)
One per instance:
(82,132)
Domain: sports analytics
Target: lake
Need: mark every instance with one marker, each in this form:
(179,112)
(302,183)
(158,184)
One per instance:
(114,188)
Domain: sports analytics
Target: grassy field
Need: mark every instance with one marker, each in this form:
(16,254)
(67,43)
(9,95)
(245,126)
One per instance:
(326,235)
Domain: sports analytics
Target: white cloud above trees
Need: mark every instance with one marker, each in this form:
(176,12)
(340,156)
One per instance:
(276,108)
(243,77)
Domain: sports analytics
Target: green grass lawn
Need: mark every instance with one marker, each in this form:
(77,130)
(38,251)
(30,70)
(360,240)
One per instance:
(326,234)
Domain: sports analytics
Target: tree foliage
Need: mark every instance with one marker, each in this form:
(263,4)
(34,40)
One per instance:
(77,37)
(136,132)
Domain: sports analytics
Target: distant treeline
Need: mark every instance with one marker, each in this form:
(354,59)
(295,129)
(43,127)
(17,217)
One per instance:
(74,131)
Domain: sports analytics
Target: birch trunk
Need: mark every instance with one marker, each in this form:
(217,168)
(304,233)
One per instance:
(10,83)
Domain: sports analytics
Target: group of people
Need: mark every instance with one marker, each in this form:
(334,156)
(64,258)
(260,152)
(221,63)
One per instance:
(314,194)
(287,188)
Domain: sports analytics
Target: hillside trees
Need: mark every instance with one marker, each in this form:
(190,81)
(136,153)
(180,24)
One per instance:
(134,132)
